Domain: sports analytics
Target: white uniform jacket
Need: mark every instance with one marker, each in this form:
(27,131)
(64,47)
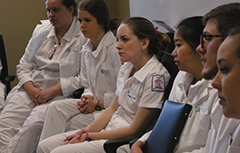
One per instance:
(99,69)
(69,63)
(145,89)
(202,96)
(224,136)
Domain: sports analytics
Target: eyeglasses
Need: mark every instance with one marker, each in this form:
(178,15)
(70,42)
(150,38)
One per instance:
(207,37)
(52,52)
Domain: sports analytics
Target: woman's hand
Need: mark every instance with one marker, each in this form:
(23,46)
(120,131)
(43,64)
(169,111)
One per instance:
(48,94)
(45,95)
(77,137)
(136,148)
(86,104)
(32,91)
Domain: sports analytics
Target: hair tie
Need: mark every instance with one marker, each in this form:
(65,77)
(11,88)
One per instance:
(156,28)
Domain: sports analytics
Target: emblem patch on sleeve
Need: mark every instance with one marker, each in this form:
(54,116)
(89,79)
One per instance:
(158,83)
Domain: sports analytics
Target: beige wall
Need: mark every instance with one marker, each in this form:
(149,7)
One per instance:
(18,18)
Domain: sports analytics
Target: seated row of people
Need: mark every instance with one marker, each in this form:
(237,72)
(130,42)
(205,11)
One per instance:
(60,59)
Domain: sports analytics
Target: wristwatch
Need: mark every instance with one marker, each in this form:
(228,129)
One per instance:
(98,108)
(87,137)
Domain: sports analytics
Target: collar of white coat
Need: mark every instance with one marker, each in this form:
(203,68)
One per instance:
(184,80)
(73,30)
(106,41)
(141,74)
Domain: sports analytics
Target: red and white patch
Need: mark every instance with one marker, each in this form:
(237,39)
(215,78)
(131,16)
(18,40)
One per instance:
(158,83)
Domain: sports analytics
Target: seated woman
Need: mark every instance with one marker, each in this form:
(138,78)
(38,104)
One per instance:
(48,71)
(139,95)
(227,83)
(100,64)
(189,87)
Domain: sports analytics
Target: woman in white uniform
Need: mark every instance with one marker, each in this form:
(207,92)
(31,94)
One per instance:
(49,70)
(100,65)
(189,87)
(139,95)
(228,85)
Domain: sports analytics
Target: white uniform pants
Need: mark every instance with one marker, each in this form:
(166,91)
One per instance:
(63,116)
(12,118)
(21,124)
(55,144)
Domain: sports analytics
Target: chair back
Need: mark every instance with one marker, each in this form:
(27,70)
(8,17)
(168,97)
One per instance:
(4,77)
(166,132)
(168,62)
(4,72)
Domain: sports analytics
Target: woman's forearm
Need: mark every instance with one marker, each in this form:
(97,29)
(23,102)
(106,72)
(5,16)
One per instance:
(105,117)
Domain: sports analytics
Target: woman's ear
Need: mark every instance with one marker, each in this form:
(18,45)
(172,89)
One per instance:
(145,43)
(71,9)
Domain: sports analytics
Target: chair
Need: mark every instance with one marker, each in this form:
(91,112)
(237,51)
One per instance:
(166,132)
(78,93)
(168,62)
(5,78)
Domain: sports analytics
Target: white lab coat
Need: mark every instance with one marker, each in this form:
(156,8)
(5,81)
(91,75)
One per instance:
(99,70)
(70,63)
(224,136)
(144,89)
(20,112)
(202,96)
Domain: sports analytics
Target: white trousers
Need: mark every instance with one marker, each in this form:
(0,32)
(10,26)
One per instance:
(63,116)
(55,144)
(21,124)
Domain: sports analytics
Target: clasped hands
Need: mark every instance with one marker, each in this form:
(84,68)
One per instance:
(77,137)
(41,96)
(86,104)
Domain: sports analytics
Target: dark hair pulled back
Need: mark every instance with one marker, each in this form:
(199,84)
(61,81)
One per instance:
(143,28)
(190,29)
(68,3)
(99,9)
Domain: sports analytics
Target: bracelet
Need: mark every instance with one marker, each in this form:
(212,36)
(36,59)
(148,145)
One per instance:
(87,137)
(98,108)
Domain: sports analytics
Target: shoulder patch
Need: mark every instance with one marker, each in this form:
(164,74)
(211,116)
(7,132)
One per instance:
(158,83)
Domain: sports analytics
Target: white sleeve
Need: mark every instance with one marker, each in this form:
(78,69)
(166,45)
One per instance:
(145,137)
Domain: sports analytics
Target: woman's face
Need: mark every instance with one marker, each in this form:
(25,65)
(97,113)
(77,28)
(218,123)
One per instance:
(59,16)
(184,56)
(89,25)
(129,46)
(227,80)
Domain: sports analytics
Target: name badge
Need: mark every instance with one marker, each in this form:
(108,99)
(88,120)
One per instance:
(202,110)
(131,94)
(105,72)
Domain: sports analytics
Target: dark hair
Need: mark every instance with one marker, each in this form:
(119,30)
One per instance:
(99,9)
(143,28)
(190,29)
(227,16)
(68,3)
(235,32)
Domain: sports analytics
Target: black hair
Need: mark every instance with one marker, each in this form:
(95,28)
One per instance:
(190,30)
